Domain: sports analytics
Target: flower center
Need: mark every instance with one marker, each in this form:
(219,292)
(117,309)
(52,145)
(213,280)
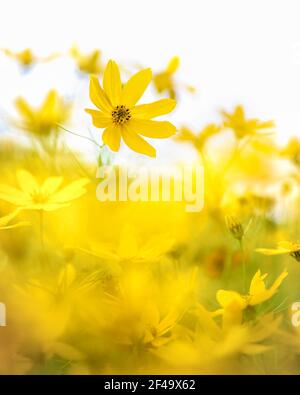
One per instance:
(120,114)
(295,255)
(39,197)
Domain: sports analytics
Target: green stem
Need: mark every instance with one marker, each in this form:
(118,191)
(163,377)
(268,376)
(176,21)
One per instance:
(41,220)
(243,265)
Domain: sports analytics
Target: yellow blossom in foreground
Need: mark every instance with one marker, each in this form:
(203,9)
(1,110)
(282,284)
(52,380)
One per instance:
(44,120)
(89,63)
(209,346)
(242,126)
(233,304)
(121,117)
(48,302)
(47,196)
(5,221)
(144,314)
(284,247)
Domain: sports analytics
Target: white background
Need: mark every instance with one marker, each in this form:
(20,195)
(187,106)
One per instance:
(233,51)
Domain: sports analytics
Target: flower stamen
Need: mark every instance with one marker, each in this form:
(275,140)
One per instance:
(121,114)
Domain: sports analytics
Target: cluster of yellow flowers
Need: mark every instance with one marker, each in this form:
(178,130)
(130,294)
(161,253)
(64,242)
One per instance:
(96,287)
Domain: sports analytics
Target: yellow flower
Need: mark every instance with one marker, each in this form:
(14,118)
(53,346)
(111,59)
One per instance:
(199,139)
(25,57)
(258,293)
(43,121)
(46,196)
(284,247)
(163,81)
(244,127)
(209,349)
(48,303)
(144,311)
(292,150)
(89,63)
(121,117)
(5,221)
(233,304)
(130,249)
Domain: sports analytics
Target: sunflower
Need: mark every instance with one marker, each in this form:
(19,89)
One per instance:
(120,116)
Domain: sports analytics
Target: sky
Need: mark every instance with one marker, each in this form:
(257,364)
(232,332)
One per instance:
(232,51)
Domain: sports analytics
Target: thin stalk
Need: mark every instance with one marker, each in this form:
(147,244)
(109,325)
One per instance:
(41,221)
(243,265)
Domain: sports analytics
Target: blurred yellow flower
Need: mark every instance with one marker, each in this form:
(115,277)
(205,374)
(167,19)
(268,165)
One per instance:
(48,302)
(44,120)
(121,117)
(284,247)
(145,315)
(258,293)
(233,304)
(26,57)
(292,150)
(163,81)
(241,125)
(46,196)
(131,249)
(199,139)
(208,347)
(89,63)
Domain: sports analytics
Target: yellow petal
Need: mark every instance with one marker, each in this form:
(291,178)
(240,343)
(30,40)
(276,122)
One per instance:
(112,82)
(27,182)
(135,87)
(13,195)
(50,102)
(51,185)
(48,206)
(155,109)
(168,322)
(17,225)
(112,137)
(272,251)
(98,96)
(260,294)
(128,247)
(5,220)
(70,192)
(152,129)
(257,284)
(279,280)
(24,108)
(231,300)
(100,119)
(173,65)
(136,143)
(289,246)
